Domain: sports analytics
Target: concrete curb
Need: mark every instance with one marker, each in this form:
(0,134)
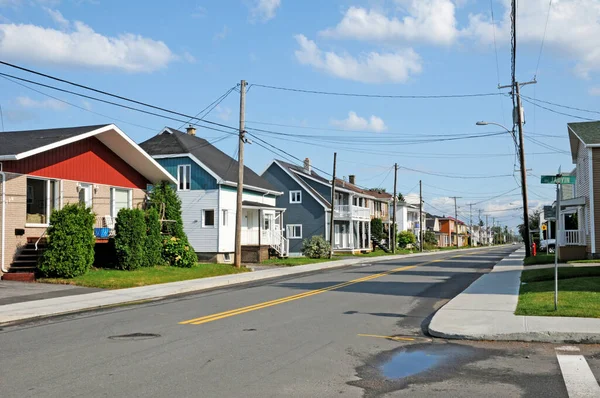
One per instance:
(485,311)
(32,310)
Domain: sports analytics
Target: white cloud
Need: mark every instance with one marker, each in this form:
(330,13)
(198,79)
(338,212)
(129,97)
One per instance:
(188,57)
(264,10)
(50,104)
(199,12)
(355,122)
(595,91)
(372,67)
(223,113)
(430,21)
(222,34)
(82,46)
(57,17)
(572,28)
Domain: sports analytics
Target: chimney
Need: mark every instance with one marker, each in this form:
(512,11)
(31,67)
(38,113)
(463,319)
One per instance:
(191,130)
(307,167)
(352,179)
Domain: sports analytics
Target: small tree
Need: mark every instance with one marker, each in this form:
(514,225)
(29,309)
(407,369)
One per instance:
(130,239)
(406,238)
(400,197)
(316,247)
(430,238)
(163,193)
(71,242)
(154,242)
(377,229)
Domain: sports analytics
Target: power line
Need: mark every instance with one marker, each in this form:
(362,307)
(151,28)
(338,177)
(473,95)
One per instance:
(454,176)
(543,39)
(212,106)
(559,105)
(339,94)
(526,99)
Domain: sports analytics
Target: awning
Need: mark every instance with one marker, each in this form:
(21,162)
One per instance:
(246,204)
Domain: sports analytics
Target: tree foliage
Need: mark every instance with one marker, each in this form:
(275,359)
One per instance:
(406,238)
(154,241)
(430,238)
(534,222)
(130,239)
(377,229)
(71,242)
(163,193)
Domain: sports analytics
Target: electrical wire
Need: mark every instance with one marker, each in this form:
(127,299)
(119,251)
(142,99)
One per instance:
(212,106)
(559,105)
(543,40)
(555,111)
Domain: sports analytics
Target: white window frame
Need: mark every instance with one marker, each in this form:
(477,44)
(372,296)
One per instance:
(291,228)
(293,197)
(224,217)
(204,218)
(87,188)
(49,206)
(113,202)
(183,172)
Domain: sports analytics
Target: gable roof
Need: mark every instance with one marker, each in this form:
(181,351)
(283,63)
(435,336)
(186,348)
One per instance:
(290,170)
(174,142)
(17,145)
(587,133)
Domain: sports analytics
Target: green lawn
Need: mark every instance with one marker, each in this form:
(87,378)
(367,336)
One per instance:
(539,259)
(292,261)
(596,261)
(117,279)
(578,292)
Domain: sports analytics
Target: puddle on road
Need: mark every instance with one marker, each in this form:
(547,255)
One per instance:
(408,363)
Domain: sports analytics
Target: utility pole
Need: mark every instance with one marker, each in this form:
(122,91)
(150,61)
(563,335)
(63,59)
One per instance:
(479,224)
(240,186)
(421,221)
(487,231)
(493,232)
(331,229)
(471,223)
(395,208)
(455,220)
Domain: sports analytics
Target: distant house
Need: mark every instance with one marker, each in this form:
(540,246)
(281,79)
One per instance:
(206,182)
(407,217)
(42,170)
(432,223)
(456,230)
(307,197)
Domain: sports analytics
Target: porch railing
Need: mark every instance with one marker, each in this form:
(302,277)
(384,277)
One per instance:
(573,238)
(275,239)
(350,211)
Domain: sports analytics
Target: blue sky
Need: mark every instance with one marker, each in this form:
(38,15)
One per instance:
(183,57)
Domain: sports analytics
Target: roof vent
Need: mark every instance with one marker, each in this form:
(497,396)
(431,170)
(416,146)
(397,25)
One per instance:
(191,130)
(307,166)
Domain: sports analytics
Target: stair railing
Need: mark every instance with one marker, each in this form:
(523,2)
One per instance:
(40,238)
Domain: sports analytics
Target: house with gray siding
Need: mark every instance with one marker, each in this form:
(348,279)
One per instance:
(207,186)
(307,199)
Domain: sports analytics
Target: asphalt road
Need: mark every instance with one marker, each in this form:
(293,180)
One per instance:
(351,332)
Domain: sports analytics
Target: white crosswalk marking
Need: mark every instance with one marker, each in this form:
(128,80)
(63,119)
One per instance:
(578,376)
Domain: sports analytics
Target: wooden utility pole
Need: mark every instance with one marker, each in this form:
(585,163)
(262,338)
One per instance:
(471,224)
(421,221)
(523,171)
(240,183)
(493,232)
(479,224)
(394,233)
(455,220)
(487,231)
(331,229)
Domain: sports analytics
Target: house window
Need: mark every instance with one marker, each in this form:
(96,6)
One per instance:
(268,222)
(85,194)
(295,196)
(42,197)
(224,217)
(294,231)
(120,199)
(208,218)
(227,257)
(184,177)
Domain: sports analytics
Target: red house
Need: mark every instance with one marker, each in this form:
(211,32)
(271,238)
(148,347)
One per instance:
(42,170)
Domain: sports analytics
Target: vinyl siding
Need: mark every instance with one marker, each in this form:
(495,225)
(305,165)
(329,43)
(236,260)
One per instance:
(249,195)
(324,190)
(596,194)
(582,187)
(203,240)
(310,213)
(201,179)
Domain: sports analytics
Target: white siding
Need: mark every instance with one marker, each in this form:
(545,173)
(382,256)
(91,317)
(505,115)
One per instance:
(257,197)
(582,183)
(203,240)
(227,233)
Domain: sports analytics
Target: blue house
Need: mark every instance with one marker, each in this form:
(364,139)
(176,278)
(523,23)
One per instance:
(207,186)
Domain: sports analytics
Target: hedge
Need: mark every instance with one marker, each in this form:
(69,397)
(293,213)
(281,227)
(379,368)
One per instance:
(130,239)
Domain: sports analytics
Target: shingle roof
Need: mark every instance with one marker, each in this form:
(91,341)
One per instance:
(15,142)
(217,161)
(588,132)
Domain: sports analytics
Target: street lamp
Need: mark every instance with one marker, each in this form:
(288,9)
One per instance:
(519,149)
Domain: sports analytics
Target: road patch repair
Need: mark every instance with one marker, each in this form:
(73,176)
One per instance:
(485,311)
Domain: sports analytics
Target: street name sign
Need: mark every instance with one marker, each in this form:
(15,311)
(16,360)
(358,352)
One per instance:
(558,179)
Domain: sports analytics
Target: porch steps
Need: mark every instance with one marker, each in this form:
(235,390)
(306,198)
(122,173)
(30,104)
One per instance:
(379,244)
(24,267)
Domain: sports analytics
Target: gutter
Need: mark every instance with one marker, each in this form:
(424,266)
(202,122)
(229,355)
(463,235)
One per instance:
(3,229)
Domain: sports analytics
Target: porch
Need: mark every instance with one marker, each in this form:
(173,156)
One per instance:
(262,227)
(572,239)
(351,236)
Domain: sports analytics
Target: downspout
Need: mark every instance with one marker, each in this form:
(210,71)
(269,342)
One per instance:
(3,245)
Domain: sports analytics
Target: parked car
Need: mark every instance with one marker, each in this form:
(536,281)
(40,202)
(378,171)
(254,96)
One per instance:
(548,245)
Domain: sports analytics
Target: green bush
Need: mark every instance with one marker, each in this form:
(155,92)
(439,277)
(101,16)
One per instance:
(429,237)
(406,238)
(377,229)
(154,241)
(130,239)
(163,193)
(429,246)
(71,242)
(178,253)
(316,247)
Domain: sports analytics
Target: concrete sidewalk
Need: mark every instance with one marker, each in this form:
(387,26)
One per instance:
(485,311)
(23,311)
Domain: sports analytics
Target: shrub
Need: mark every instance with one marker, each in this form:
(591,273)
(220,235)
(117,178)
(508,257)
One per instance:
(164,193)
(130,239)
(377,229)
(71,242)
(154,241)
(429,246)
(429,237)
(406,238)
(316,247)
(178,253)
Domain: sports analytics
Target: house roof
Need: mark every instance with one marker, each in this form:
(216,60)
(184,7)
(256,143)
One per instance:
(174,142)
(17,145)
(587,133)
(452,219)
(294,170)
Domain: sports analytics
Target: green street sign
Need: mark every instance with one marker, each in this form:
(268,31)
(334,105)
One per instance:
(558,180)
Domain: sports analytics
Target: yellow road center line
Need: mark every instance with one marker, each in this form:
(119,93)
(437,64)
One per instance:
(387,337)
(238,311)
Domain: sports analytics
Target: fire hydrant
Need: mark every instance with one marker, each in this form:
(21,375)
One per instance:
(533,249)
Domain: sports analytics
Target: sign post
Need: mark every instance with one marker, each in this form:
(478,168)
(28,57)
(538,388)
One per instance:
(557,179)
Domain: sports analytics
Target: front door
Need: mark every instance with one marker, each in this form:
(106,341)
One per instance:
(337,235)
